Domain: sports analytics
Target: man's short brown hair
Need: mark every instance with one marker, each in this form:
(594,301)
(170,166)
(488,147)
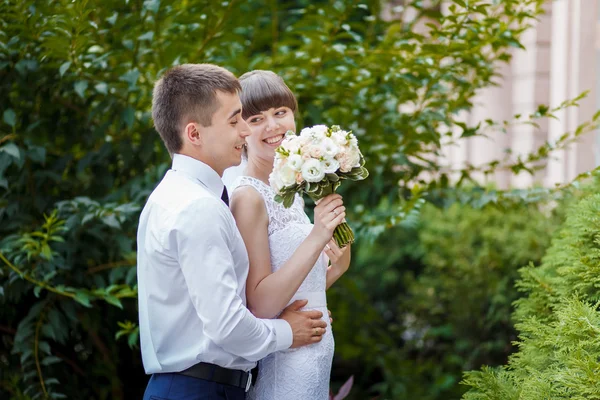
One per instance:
(187,93)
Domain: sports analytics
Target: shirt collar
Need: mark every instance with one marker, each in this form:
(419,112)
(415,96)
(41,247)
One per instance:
(198,170)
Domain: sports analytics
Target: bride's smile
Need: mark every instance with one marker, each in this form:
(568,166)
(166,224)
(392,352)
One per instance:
(274,140)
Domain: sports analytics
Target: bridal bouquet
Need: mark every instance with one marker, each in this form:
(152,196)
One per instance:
(315,162)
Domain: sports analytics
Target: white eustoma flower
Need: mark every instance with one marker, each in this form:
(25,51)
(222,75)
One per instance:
(287,175)
(291,144)
(319,131)
(295,162)
(329,148)
(316,132)
(330,165)
(353,141)
(304,141)
(339,138)
(313,171)
(275,181)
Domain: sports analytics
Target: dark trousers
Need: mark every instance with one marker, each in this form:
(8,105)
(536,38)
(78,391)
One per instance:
(181,387)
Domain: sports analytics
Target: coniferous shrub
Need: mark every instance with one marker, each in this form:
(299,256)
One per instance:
(558,320)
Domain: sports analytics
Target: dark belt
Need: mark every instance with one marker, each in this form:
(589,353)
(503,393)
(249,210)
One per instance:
(214,373)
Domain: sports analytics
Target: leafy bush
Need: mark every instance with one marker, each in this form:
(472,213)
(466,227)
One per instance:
(558,320)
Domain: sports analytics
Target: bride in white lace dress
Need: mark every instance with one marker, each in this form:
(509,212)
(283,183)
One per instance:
(290,258)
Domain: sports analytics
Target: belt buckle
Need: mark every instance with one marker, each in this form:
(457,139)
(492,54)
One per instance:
(249,381)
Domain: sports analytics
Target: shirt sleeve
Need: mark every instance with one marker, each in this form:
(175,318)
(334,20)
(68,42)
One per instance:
(202,233)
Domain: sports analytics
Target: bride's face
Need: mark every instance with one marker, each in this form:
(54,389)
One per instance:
(267,131)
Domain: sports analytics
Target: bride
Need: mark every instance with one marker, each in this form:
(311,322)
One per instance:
(290,258)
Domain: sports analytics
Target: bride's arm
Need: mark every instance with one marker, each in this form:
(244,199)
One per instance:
(268,293)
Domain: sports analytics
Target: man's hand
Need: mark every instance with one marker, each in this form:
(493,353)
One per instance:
(307,326)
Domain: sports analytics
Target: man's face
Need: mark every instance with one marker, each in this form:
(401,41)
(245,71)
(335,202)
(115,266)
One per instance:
(222,142)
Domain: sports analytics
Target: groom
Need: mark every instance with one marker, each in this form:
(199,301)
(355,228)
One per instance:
(198,339)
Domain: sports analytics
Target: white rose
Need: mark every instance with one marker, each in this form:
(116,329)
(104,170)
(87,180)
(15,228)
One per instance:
(330,165)
(344,158)
(295,162)
(313,171)
(315,151)
(287,176)
(354,156)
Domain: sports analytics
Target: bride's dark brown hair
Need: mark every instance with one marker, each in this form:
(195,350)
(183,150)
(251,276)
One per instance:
(263,90)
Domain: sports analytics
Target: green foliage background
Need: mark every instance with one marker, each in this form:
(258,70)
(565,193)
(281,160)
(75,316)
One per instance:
(79,155)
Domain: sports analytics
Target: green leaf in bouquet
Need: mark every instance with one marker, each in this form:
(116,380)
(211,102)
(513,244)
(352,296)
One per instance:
(282,151)
(311,187)
(332,177)
(362,173)
(288,199)
(278,198)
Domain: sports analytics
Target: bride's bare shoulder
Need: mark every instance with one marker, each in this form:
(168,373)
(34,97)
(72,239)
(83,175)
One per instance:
(247,199)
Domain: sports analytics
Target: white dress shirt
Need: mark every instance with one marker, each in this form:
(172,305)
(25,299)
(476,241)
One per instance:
(192,269)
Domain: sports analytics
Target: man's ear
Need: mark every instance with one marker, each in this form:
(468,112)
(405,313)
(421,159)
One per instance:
(193,133)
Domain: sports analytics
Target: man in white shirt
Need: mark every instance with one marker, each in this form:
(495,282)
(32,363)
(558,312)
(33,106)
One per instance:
(198,339)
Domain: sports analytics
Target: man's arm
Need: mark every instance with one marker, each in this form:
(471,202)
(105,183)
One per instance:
(201,234)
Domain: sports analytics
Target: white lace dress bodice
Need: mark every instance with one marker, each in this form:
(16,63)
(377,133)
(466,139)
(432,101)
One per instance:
(302,373)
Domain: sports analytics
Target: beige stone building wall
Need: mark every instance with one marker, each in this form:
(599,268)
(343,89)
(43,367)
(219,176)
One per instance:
(560,62)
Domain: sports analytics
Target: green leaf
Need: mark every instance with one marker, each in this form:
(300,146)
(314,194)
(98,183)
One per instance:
(128,116)
(12,150)
(10,117)
(64,67)
(36,291)
(133,340)
(52,381)
(332,177)
(80,87)
(288,200)
(114,301)
(44,347)
(113,18)
(83,298)
(101,87)
(111,220)
(131,77)
(147,36)
(50,360)
(37,154)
